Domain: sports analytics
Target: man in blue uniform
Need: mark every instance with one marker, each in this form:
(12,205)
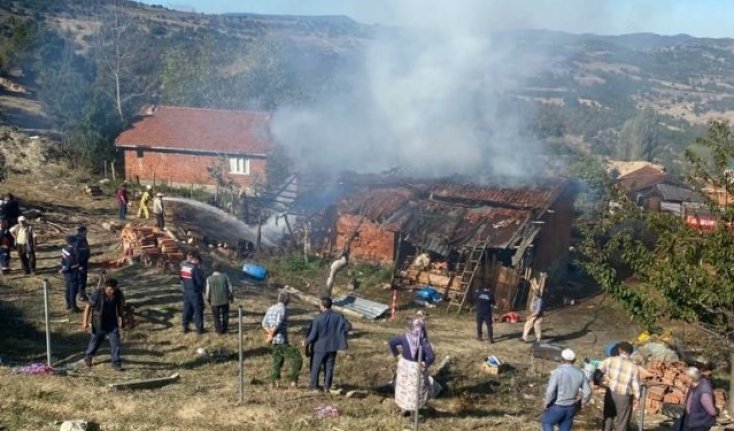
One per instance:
(82,249)
(70,270)
(192,282)
(484,301)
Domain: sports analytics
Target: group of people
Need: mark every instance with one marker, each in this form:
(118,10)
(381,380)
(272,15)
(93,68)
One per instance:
(15,233)
(123,202)
(621,378)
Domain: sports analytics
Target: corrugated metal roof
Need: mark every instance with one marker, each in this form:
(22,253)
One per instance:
(670,192)
(369,309)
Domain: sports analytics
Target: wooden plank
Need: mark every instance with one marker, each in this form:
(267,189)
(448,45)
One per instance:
(145,383)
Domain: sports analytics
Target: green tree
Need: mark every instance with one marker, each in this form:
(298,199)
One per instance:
(678,272)
(639,137)
(187,75)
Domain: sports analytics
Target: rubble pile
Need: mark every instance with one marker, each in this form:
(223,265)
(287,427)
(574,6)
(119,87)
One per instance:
(668,383)
(154,247)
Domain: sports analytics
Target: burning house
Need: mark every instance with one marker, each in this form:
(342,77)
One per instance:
(501,235)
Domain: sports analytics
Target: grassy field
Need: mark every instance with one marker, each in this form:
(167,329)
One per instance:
(205,397)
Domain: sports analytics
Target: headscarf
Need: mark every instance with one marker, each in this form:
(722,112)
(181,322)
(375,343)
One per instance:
(415,336)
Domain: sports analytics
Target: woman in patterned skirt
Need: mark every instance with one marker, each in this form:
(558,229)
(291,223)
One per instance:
(411,391)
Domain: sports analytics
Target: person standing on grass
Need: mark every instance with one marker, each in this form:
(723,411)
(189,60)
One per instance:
(159,212)
(561,397)
(104,314)
(275,324)
(6,244)
(409,370)
(623,381)
(700,412)
(25,244)
(535,319)
(123,200)
(83,254)
(144,199)
(328,335)
(484,301)
(70,271)
(192,282)
(219,295)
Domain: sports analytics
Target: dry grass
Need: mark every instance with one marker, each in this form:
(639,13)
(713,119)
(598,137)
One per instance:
(205,398)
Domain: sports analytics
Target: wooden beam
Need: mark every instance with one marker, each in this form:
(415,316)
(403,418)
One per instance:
(144,383)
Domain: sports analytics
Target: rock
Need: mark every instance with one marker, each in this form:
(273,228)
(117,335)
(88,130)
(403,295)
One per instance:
(110,226)
(104,181)
(32,213)
(201,351)
(357,394)
(74,425)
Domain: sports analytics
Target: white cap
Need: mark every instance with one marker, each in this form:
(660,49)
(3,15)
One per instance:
(694,373)
(21,218)
(148,187)
(568,355)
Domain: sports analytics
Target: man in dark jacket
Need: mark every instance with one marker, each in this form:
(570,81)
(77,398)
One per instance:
(484,301)
(12,209)
(192,282)
(328,335)
(6,244)
(70,270)
(123,199)
(83,253)
(104,312)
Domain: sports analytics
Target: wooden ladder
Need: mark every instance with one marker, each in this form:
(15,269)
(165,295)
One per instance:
(468,272)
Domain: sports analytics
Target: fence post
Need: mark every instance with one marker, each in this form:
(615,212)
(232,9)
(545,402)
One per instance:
(48,325)
(242,374)
(418,386)
(643,396)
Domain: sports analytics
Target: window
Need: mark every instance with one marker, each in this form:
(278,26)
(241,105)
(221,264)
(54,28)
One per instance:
(139,153)
(239,165)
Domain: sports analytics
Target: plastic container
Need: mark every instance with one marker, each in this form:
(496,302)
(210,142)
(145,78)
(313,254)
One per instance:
(255,271)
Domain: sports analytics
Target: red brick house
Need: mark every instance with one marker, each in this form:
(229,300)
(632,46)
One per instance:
(176,145)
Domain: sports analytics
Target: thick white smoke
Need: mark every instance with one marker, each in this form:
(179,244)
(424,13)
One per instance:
(428,99)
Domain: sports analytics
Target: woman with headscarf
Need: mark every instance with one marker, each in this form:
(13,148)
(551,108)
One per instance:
(407,395)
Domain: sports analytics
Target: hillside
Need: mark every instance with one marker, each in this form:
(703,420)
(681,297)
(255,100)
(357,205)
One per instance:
(582,90)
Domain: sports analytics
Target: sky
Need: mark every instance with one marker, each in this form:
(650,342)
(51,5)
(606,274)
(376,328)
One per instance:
(702,18)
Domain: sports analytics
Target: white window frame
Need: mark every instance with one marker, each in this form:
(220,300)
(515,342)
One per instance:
(239,165)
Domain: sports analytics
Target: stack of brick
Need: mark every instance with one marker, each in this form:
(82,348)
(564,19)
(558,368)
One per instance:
(668,383)
(154,247)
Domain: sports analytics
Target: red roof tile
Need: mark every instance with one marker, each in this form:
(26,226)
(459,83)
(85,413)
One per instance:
(202,130)
(646,176)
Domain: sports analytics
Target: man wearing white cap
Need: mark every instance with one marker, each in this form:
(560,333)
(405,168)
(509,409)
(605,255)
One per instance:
(701,412)
(561,397)
(25,243)
(158,211)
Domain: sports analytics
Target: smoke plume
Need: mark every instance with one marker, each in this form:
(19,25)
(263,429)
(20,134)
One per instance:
(428,97)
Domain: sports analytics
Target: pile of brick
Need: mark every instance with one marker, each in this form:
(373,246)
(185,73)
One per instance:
(154,247)
(668,383)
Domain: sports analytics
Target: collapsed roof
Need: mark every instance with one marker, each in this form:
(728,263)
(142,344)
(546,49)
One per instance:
(440,216)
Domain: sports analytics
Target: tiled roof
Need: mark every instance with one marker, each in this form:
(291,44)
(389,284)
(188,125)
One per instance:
(646,176)
(202,130)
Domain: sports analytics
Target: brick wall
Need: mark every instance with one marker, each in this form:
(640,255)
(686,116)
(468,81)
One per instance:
(183,169)
(374,243)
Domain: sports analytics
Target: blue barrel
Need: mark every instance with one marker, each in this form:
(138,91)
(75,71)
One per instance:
(255,271)
(608,349)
